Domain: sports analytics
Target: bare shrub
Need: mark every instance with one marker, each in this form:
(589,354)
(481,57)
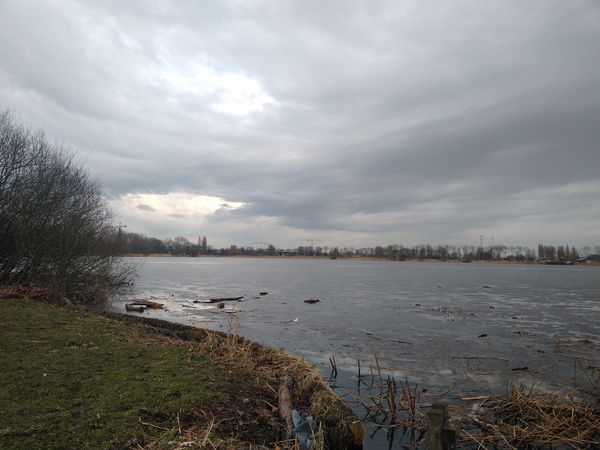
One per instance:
(55,227)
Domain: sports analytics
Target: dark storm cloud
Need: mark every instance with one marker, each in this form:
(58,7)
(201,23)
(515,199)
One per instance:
(370,121)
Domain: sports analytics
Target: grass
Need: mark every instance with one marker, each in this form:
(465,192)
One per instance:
(73,378)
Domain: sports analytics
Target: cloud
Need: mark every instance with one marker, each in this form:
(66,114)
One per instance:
(174,213)
(355,123)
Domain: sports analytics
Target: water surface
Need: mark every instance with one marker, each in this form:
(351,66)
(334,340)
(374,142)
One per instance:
(457,329)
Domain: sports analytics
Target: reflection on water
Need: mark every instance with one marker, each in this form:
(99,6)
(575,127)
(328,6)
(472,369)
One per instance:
(457,329)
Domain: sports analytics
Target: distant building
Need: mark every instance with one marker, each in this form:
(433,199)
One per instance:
(202,244)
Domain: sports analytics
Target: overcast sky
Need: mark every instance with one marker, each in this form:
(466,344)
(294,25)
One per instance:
(350,123)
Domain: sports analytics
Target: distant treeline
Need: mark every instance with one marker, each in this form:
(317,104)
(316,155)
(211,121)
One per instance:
(135,243)
(562,253)
(547,253)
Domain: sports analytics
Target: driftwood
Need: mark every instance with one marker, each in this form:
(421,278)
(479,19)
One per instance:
(148,303)
(285,404)
(226,299)
(135,308)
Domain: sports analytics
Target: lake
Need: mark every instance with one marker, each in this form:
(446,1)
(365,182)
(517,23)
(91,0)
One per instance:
(455,329)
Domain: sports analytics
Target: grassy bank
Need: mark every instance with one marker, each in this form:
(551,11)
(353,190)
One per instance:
(75,379)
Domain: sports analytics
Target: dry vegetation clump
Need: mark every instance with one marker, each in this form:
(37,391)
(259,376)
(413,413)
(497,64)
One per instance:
(523,419)
(18,291)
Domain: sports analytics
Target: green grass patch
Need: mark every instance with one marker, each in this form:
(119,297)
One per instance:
(74,379)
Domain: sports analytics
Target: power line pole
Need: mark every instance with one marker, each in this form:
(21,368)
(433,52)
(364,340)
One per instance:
(480,245)
(311,245)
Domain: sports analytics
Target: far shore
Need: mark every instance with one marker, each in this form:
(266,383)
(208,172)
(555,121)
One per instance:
(359,258)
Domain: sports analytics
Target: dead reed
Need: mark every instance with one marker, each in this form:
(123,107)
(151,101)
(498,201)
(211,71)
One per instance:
(520,419)
(523,419)
(388,403)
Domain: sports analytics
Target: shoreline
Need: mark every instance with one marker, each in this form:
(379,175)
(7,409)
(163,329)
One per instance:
(411,403)
(213,374)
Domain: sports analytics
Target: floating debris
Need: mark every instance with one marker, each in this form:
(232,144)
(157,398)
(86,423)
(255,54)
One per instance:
(220,299)
(372,336)
(148,303)
(135,308)
(226,299)
(290,321)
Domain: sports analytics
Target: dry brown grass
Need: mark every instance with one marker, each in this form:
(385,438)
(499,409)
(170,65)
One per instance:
(18,291)
(523,419)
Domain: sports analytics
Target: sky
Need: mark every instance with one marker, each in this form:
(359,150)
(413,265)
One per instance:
(348,123)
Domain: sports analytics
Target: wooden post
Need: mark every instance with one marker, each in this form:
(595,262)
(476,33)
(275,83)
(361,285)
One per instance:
(441,430)
(435,423)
